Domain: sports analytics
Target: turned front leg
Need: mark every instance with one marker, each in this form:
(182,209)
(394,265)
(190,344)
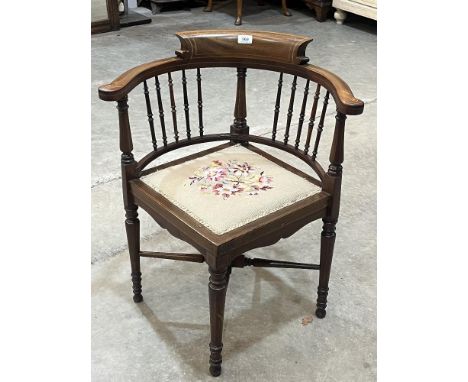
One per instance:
(326,254)
(217,294)
(132,226)
(334,175)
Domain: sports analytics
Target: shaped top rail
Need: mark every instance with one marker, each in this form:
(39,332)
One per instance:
(248,44)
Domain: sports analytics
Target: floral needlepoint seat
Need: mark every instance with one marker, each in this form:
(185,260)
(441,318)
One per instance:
(231,187)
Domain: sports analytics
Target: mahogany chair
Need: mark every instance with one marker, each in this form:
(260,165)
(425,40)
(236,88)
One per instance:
(239,4)
(232,198)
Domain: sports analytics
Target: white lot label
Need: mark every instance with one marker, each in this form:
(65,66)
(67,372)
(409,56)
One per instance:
(244,39)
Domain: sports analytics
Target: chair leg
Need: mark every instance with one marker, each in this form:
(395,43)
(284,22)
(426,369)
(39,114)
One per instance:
(217,294)
(155,9)
(209,6)
(132,226)
(326,255)
(228,276)
(284,8)
(239,13)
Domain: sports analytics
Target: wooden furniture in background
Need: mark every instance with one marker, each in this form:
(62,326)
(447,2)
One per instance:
(112,22)
(157,6)
(273,52)
(130,18)
(238,21)
(366,8)
(320,7)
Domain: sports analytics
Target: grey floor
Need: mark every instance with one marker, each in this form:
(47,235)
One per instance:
(166,337)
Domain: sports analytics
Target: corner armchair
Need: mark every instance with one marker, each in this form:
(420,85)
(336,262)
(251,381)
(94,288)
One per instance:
(234,197)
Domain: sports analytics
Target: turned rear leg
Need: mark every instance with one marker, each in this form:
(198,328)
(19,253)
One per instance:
(209,6)
(132,226)
(326,255)
(217,287)
(284,8)
(239,13)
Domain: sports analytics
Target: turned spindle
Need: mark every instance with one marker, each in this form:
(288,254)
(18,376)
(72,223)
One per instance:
(301,115)
(313,113)
(290,110)
(170,83)
(277,106)
(320,125)
(161,110)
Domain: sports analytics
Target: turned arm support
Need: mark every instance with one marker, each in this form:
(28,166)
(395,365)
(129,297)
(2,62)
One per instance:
(332,180)
(128,162)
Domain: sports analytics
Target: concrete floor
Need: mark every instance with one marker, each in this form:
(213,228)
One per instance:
(166,337)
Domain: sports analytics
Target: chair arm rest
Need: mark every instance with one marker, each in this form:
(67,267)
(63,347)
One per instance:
(344,97)
(124,83)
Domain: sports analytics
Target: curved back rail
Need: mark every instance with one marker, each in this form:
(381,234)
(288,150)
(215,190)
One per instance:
(274,52)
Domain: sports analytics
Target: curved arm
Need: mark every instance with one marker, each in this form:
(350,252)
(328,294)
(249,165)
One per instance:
(345,101)
(122,85)
(277,52)
(128,80)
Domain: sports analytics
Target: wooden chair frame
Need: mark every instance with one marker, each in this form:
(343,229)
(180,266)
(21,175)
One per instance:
(270,51)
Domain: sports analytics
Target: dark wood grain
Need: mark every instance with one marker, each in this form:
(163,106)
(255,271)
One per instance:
(320,126)
(282,47)
(170,83)
(217,295)
(313,113)
(149,113)
(343,96)
(186,105)
(277,106)
(280,53)
(161,109)
(239,125)
(242,261)
(200,103)
(333,185)
(191,257)
(150,157)
(290,109)
(302,115)
(112,22)
(320,7)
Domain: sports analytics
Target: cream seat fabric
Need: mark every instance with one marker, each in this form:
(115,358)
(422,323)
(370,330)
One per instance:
(229,188)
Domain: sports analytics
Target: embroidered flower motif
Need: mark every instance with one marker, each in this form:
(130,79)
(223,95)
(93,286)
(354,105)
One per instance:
(230,178)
